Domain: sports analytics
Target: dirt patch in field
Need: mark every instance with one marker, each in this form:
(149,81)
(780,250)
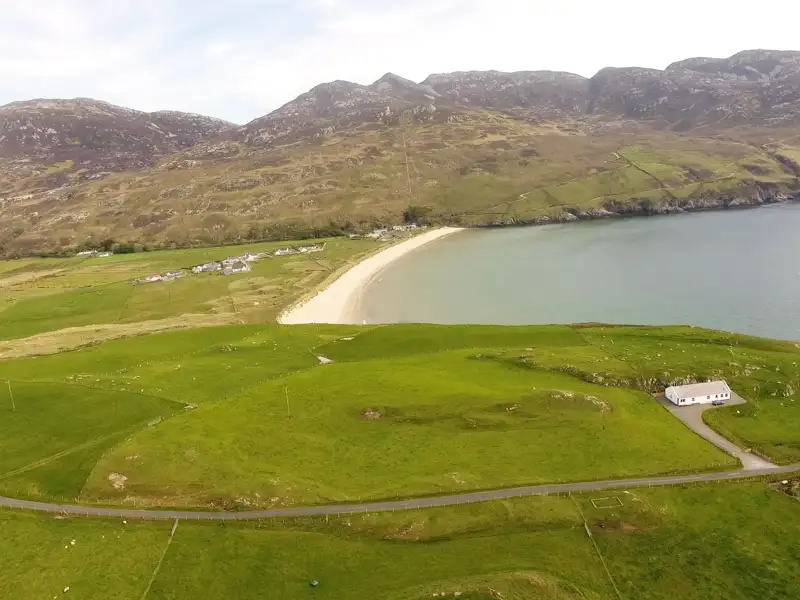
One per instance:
(117,480)
(622,526)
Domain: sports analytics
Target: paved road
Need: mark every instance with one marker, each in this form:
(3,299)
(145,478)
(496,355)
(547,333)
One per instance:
(536,490)
(692,417)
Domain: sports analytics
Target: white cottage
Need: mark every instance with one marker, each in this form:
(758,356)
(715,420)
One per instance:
(698,393)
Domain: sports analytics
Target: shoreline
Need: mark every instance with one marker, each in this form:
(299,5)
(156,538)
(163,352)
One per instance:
(634,213)
(339,302)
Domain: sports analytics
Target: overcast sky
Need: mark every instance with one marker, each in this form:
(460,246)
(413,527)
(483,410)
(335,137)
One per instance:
(239,59)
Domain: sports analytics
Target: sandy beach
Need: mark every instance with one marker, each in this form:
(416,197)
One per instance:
(339,302)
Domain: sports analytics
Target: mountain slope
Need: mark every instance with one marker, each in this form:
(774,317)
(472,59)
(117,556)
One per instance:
(97,136)
(475,147)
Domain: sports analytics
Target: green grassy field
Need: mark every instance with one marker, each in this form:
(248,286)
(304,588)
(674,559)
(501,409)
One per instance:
(403,410)
(46,295)
(732,541)
(447,422)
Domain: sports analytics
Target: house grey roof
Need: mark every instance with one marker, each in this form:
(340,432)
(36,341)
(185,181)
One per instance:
(710,388)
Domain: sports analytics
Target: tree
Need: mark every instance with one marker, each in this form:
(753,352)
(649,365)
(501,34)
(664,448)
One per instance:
(416,214)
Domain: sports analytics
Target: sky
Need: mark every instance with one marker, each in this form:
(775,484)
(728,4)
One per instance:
(240,59)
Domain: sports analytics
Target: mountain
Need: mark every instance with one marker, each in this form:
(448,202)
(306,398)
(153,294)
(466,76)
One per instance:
(753,88)
(98,136)
(759,87)
(337,105)
(473,147)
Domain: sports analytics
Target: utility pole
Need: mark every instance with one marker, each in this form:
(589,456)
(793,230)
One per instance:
(288,410)
(10,393)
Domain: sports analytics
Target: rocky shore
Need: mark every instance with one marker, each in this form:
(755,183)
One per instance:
(760,194)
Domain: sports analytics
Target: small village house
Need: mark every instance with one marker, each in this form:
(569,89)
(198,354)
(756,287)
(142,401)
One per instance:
(698,393)
(173,275)
(237,266)
(207,268)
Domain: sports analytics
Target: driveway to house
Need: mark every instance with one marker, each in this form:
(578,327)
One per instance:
(692,417)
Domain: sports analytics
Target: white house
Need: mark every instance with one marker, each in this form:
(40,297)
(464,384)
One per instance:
(207,268)
(236,267)
(698,393)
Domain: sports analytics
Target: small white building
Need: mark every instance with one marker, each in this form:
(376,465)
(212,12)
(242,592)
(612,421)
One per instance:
(698,393)
(207,268)
(236,267)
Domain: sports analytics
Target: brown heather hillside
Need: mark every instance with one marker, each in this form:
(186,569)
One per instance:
(475,148)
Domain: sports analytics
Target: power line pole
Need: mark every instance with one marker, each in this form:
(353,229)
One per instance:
(10,393)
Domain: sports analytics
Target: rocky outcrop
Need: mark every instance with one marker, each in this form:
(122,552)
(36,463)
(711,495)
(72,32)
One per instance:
(755,87)
(549,93)
(748,196)
(335,106)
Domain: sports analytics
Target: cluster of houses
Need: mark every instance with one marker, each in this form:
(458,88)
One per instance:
(170,276)
(232,265)
(388,233)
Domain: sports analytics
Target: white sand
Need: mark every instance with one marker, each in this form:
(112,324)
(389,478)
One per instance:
(339,303)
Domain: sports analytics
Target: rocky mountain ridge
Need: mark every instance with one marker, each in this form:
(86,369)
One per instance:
(757,87)
(98,136)
(472,148)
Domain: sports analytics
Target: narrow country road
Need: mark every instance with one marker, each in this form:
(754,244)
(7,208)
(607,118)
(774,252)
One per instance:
(536,490)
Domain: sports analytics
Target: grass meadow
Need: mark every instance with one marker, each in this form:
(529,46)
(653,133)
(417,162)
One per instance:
(444,422)
(46,295)
(731,540)
(246,415)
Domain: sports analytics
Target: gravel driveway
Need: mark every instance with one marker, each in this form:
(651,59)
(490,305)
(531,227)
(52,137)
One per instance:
(692,417)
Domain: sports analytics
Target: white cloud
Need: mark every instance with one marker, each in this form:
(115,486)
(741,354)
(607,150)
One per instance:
(240,59)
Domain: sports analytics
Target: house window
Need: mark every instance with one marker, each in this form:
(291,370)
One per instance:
(708,397)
